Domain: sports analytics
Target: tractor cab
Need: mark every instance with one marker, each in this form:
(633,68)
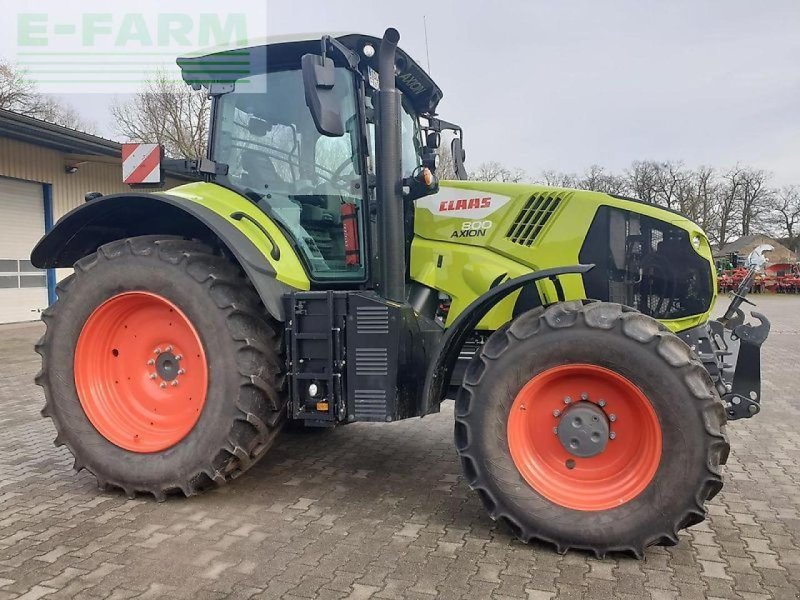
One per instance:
(293,129)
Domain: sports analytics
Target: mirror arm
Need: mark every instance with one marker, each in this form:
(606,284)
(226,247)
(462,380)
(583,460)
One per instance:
(436,124)
(351,57)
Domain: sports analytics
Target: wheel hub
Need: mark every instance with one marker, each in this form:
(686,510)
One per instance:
(168,366)
(584,430)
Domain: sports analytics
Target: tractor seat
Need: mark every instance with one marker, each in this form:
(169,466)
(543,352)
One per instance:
(259,172)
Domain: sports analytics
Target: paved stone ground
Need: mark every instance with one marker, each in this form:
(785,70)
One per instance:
(375,511)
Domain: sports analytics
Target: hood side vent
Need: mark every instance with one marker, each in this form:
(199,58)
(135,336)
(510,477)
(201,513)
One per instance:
(533,217)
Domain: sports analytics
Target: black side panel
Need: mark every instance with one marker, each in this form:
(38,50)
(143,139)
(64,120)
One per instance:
(365,357)
(372,337)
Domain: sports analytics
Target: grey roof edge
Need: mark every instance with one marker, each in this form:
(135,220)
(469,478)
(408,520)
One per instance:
(43,133)
(30,130)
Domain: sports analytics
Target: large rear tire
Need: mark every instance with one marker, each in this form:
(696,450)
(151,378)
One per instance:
(160,368)
(591,426)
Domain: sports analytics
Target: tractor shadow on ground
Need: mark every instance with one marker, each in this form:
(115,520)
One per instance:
(379,474)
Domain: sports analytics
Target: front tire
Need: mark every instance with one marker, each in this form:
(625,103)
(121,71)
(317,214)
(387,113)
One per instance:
(160,369)
(619,374)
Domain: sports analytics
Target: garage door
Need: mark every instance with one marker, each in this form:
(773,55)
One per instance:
(23,289)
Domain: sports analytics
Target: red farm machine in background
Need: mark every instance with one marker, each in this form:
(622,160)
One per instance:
(783,278)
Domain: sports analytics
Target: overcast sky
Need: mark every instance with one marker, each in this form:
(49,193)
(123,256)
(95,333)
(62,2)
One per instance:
(562,85)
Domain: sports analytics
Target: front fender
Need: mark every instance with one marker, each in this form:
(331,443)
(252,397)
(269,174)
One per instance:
(268,261)
(446,354)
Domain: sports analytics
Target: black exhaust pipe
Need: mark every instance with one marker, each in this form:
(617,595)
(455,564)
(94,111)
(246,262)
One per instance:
(389,174)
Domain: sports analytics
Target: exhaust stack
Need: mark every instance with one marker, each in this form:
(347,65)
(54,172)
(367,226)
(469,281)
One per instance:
(391,225)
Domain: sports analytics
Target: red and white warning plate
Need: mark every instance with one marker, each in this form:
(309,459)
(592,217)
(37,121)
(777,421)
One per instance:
(141,163)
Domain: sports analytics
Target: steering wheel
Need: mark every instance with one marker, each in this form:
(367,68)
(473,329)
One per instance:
(336,174)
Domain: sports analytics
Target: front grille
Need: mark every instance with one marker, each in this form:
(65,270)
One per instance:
(533,217)
(645,263)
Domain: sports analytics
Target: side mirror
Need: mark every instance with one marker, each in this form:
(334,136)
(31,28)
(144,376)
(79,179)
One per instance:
(319,76)
(433,139)
(458,158)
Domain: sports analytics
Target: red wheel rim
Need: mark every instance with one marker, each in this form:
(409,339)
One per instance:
(140,372)
(619,473)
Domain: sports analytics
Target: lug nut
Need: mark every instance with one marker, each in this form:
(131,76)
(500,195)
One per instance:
(151,362)
(555,430)
(174,383)
(556,413)
(152,375)
(157,351)
(612,417)
(163,385)
(567,400)
(584,396)
(169,349)
(179,357)
(612,435)
(181,371)
(522,407)
(601,404)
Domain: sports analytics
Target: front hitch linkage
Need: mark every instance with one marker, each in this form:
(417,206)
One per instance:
(743,396)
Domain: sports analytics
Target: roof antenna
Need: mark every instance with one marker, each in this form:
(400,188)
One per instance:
(427,52)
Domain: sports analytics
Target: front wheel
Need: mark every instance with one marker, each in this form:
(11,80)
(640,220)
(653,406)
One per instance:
(589,425)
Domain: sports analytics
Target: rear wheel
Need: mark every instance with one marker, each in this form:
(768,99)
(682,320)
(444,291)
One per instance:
(160,368)
(591,426)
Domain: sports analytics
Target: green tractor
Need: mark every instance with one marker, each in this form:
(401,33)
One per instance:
(318,273)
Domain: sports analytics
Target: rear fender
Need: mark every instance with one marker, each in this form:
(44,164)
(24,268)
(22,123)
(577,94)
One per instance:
(260,248)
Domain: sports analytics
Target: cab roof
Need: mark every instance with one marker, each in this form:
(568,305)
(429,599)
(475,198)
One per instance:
(284,52)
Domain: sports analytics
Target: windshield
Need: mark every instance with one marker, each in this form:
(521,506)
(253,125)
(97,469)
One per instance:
(264,132)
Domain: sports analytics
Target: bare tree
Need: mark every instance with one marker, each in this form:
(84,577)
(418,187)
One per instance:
(642,179)
(558,179)
(755,198)
(168,113)
(597,179)
(20,94)
(672,182)
(494,171)
(786,213)
(705,187)
(726,204)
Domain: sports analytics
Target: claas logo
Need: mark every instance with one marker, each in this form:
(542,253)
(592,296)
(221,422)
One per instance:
(465,204)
